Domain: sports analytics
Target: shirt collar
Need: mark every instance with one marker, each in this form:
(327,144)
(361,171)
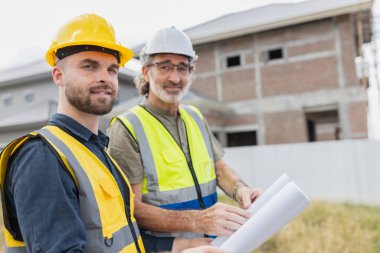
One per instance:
(77,129)
(154,109)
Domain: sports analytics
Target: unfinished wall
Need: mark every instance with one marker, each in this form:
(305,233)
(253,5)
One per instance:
(316,69)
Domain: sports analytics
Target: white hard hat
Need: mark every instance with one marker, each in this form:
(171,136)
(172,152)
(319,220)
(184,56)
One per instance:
(169,40)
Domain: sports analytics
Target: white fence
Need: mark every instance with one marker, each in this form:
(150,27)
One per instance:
(339,171)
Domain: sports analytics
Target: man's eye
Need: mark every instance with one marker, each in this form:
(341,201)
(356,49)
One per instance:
(115,71)
(86,66)
(183,69)
(165,67)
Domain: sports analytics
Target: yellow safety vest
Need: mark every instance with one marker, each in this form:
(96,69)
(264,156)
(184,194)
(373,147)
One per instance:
(117,230)
(170,181)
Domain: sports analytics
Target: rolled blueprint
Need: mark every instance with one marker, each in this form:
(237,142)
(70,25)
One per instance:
(265,196)
(281,203)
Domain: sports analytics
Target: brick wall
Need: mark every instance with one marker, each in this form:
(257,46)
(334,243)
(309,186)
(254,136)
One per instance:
(299,77)
(318,57)
(206,62)
(315,29)
(235,44)
(238,85)
(205,86)
(313,47)
(240,120)
(285,127)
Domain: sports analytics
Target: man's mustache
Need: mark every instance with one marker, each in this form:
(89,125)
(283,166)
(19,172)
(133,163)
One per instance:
(172,84)
(104,86)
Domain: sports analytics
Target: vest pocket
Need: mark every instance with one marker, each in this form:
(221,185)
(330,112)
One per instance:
(173,171)
(171,156)
(111,206)
(109,187)
(208,171)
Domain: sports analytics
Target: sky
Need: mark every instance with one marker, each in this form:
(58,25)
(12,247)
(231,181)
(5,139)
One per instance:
(27,27)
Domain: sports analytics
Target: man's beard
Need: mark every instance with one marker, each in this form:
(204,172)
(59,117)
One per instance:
(81,99)
(161,93)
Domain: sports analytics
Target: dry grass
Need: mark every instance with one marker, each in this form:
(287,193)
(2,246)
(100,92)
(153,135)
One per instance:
(327,228)
(321,228)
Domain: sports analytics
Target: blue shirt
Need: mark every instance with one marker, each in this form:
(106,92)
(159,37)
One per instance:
(42,198)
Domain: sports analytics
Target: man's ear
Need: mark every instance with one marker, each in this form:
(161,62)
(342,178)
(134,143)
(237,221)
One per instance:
(145,70)
(57,75)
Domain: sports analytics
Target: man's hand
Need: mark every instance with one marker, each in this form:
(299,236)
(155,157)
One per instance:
(180,244)
(220,219)
(234,186)
(205,249)
(245,196)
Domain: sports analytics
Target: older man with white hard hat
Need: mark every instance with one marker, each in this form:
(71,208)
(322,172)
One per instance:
(170,155)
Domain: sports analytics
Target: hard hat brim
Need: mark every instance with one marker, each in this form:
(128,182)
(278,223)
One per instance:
(125,53)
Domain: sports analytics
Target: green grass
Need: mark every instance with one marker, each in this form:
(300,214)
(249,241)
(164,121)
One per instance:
(327,228)
(322,228)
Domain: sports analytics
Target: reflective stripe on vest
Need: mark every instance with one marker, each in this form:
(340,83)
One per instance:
(199,121)
(102,207)
(164,186)
(15,250)
(12,245)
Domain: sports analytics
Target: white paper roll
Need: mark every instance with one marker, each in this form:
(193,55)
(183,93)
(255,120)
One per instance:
(264,198)
(275,208)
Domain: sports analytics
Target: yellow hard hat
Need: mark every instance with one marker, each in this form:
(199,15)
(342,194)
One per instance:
(88,30)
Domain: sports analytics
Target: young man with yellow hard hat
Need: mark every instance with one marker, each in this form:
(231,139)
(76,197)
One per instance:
(61,191)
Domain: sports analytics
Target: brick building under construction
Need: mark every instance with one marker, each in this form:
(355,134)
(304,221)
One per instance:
(284,73)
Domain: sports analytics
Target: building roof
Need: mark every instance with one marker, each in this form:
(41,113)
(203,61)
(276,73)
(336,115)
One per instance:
(32,70)
(22,118)
(271,17)
(40,68)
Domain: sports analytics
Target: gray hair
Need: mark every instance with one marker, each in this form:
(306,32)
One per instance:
(141,85)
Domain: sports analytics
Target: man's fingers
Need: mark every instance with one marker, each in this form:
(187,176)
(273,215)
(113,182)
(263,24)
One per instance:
(180,244)
(232,226)
(223,231)
(246,201)
(205,249)
(238,211)
(238,219)
(255,194)
(247,196)
(222,219)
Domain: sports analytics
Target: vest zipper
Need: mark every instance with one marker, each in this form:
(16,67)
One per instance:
(127,209)
(133,231)
(197,186)
(191,168)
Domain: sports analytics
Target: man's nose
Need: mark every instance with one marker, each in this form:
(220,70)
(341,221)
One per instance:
(104,75)
(174,75)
